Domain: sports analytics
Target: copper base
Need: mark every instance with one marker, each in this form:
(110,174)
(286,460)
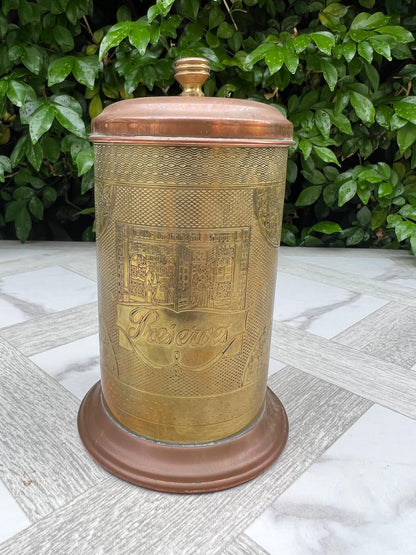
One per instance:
(177,468)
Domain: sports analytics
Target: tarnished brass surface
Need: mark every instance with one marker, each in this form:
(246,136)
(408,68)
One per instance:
(187,241)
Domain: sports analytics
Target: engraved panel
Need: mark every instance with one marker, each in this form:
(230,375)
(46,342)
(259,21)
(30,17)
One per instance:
(164,272)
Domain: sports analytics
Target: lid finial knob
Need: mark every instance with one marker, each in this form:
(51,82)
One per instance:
(191,74)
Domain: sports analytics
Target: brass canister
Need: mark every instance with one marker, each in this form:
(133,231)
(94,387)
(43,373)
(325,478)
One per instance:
(189,200)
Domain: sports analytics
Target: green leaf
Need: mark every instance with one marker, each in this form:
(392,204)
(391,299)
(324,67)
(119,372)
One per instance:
(306,147)
(216,17)
(169,26)
(34,154)
(406,136)
(225,30)
(324,40)
(365,50)
(49,195)
(17,92)
(385,189)
(383,116)
(36,207)
(413,243)
(372,75)
(342,122)
(399,33)
(115,35)
(384,170)
(326,154)
(363,107)
(41,121)
(85,160)
(381,46)
(355,237)
(370,175)
(87,182)
(301,42)
(288,237)
(32,59)
(335,9)
(364,216)
(59,70)
(12,209)
(291,60)
(96,106)
(63,37)
(23,224)
(8,5)
(19,150)
(258,54)
(346,192)
(274,59)
(348,50)
(404,230)
(139,36)
(330,74)
(323,122)
(326,227)
(85,70)
(309,195)
(51,148)
(406,109)
(342,100)
(69,119)
(190,8)
(68,102)
(235,41)
(378,217)
(366,21)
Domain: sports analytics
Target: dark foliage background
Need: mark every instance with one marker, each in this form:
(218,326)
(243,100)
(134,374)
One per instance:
(342,73)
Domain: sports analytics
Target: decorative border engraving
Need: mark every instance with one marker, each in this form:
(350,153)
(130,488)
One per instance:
(267,208)
(181,293)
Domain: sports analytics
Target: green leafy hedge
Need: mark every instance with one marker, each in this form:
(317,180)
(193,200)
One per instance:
(342,73)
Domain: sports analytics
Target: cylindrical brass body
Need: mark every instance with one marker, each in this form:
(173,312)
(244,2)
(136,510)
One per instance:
(187,242)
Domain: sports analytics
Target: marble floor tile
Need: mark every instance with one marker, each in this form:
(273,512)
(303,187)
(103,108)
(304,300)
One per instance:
(76,365)
(382,268)
(275,366)
(358,498)
(32,294)
(319,308)
(13,519)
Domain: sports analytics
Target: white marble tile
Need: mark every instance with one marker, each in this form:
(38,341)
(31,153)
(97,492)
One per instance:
(75,365)
(12,518)
(275,366)
(391,270)
(356,499)
(32,294)
(318,308)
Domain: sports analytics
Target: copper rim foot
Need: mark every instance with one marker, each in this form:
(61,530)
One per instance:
(177,468)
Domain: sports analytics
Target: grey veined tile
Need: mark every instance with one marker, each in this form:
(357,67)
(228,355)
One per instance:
(51,330)
(380,381)
(42,462)
(388,334)
(124,519)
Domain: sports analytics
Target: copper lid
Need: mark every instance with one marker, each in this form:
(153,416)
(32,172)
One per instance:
(192,118)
